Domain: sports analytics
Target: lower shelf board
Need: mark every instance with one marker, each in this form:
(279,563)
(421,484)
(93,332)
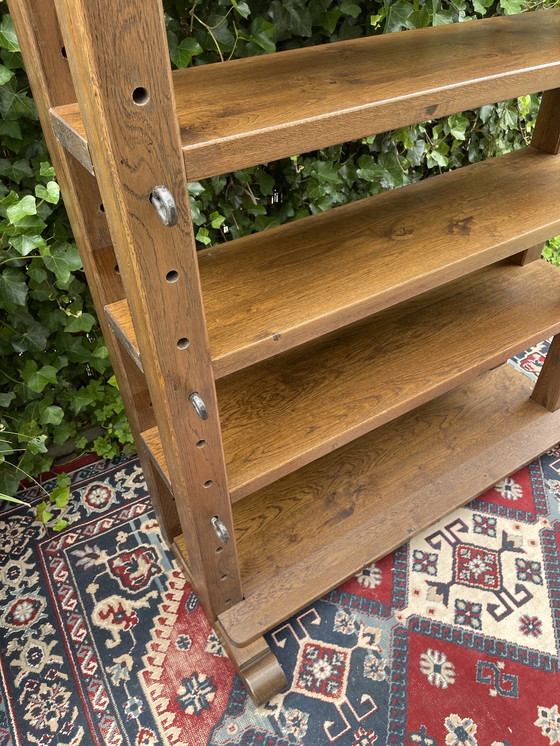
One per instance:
(290,410)
(310,531)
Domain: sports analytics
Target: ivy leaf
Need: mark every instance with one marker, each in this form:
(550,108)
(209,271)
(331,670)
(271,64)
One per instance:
(442,17)
(5,74)
(329,19)
(60,525)
(43,514)
(9,480)
(64,432)
(369,169)
(63,480)
(511,7)
(25,206)
(261,33)
(34,337)
(6,399)
(24,244)
(50,193)
(216,219)
(37,445)
(15,104)
(350,8)
(185,51)
(41,378)
(82,322)
(52,415)
(81,399)
(10,128)
(242,8)
(398,14)
(46,171)
(203,236)
(291,16)
(458,126)
(63,260)
(266,182)
(8,38)
(13,287)
(60,495)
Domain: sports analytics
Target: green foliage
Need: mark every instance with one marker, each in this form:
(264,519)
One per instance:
(55,375)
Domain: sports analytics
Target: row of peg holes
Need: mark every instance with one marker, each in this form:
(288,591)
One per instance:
(171,277)
(140,96)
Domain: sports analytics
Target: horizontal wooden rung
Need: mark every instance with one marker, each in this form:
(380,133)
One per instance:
(306,534)
(265,293)
(285,412)
(239,113)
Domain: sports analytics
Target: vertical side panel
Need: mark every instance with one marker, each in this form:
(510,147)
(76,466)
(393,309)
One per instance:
(120,66)
(43,50)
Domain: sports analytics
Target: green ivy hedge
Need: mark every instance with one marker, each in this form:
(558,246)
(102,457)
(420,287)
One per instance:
(55,376)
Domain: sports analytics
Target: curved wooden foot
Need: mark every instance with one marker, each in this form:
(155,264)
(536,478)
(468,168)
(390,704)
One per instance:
(257,667)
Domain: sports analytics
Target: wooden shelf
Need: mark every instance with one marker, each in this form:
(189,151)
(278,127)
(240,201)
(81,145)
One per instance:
(231,116)
(304,535)
(264,293)
(285,412)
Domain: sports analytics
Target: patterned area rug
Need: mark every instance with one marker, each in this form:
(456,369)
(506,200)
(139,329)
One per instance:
(453,640)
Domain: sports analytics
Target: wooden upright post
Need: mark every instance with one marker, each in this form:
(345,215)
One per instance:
(38,31)
(547,138)
(547,129)
(120,65)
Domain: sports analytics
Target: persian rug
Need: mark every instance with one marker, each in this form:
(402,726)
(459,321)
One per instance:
(452,640)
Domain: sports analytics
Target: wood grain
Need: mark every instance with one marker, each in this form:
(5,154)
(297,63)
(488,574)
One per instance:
(310,531)
(120,321)
(120,66)
(529,255)
(243,112)
(282,414)
(546,136)
(265,294)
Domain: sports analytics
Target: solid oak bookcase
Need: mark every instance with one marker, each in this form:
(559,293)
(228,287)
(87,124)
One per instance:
(306,399)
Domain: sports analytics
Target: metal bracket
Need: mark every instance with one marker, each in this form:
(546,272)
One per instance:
(220,529)
(199,405)
(162,199)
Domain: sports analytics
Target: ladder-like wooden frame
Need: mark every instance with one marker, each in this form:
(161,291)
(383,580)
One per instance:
(101,79)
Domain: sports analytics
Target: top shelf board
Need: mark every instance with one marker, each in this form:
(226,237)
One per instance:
(240,113)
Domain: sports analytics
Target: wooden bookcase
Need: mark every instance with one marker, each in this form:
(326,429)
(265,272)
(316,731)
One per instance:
(274,383)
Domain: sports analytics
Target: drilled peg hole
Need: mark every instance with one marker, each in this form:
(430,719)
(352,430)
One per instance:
(172,276)
(219,549)
(201,444)
(208,483)
(224,577)
(183,343)
(140,96)
(63,52)
(117,270)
